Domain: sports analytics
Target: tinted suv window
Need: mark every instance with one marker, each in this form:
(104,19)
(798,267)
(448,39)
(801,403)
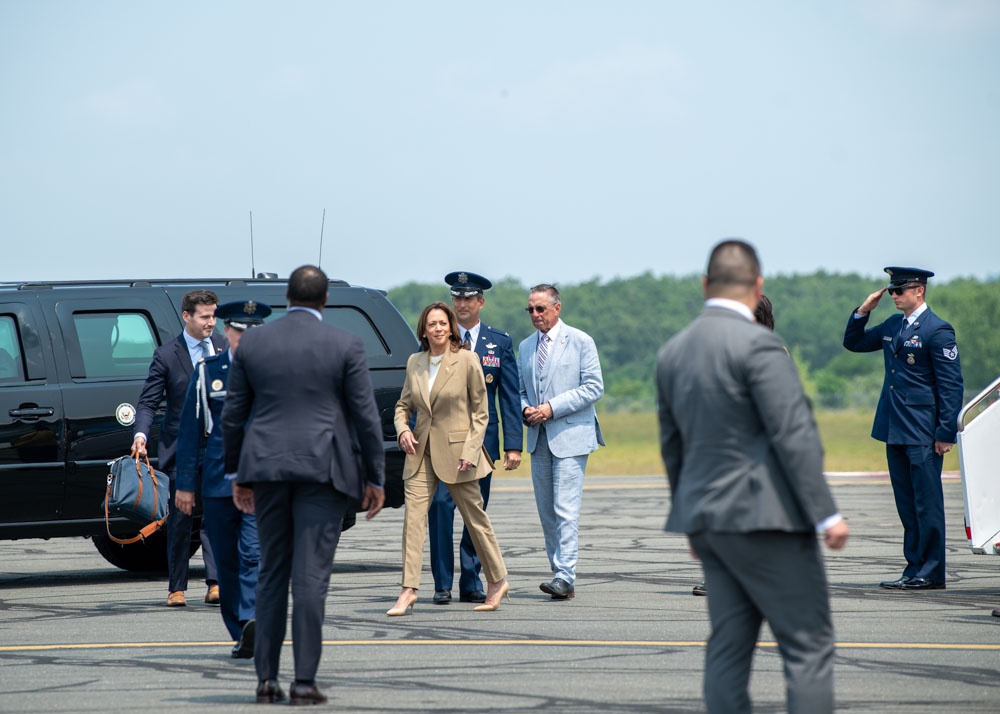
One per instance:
(352,320)
(10,351)
(114,344)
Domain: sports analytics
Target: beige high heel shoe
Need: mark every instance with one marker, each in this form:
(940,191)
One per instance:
(398,609)
(487,606)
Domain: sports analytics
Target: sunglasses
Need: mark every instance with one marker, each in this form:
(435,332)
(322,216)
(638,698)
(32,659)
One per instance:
(899,291)
(536,309)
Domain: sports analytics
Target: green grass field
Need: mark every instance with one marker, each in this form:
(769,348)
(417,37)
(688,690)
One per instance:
(633,445)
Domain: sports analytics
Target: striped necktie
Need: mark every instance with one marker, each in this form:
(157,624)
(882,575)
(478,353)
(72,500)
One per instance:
(543,350)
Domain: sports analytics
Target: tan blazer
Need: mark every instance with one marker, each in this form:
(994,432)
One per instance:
(452,418)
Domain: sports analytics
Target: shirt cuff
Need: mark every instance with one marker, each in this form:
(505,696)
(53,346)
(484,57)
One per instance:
(231,477)
(828,523)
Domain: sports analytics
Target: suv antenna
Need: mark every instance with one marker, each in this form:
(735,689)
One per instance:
(253,268)
(322,225)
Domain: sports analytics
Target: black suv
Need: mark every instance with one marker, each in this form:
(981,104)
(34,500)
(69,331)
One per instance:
(73,359)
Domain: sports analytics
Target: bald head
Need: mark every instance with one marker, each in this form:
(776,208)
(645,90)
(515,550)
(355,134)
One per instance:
(308,286)
(733,271)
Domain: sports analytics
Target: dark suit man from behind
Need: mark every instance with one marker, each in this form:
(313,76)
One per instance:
(916,417)
(169,375)
(745,466)
(495,351)
(312,450)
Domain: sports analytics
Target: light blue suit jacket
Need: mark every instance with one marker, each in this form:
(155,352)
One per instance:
(571,383)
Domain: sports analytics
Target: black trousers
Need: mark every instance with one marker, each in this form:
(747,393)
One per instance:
(179,527)
(298,526)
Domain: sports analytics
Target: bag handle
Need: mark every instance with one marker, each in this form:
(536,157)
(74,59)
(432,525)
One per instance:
(147,530)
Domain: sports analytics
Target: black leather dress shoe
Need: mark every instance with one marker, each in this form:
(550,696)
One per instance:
(558,588)
(268,692)
(474,596)
(442,597)
(996,613)
(895,584)
(305,694)
(921,584)
(244,648)
(699,590)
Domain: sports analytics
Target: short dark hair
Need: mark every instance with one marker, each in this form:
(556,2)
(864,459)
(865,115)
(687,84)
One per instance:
(194,298)
(456,340)
(764,313)
(308,286)
(733,264)
(551,290)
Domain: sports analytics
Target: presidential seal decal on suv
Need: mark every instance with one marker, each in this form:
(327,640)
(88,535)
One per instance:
(125,414)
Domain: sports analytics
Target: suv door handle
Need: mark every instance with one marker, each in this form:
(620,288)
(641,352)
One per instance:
(31,413)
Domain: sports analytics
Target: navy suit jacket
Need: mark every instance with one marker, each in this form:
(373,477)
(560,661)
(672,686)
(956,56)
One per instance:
(307,386)
(496,355)
(922,392)
(199,435)
(169,374)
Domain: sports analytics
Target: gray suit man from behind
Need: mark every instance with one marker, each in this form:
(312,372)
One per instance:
(745,466)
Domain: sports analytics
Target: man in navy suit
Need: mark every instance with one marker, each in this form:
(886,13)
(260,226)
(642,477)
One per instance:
(496,355)
(200,461)
(170,374)
(916,417)
(312,450)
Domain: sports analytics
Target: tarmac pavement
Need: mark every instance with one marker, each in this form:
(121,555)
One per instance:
(78,635)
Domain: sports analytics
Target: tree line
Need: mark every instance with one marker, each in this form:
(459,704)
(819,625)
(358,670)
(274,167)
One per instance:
(630,318)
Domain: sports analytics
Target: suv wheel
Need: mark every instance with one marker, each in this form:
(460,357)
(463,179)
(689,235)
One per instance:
(148,556)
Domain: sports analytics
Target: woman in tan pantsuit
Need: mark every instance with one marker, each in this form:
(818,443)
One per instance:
(445,387)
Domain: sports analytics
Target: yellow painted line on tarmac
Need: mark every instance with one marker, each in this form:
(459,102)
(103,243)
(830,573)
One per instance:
(867,481)
(586,487)
(952,646)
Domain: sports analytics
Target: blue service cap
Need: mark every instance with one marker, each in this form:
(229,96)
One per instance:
(467,284)
(899,277)
(243,314)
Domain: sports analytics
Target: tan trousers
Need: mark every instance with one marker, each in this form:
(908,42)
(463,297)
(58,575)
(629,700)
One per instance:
(419,490)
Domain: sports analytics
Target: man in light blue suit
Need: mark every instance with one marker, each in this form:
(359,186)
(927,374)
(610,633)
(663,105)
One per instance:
(560,381)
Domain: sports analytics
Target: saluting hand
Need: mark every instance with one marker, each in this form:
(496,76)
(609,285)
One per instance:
(871,302)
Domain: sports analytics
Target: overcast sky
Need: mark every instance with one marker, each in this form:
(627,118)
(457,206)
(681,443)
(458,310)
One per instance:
(541,140)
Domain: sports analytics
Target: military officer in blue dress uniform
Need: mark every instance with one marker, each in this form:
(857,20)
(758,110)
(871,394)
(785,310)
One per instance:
(200,461)
(496,355)
(916,417)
